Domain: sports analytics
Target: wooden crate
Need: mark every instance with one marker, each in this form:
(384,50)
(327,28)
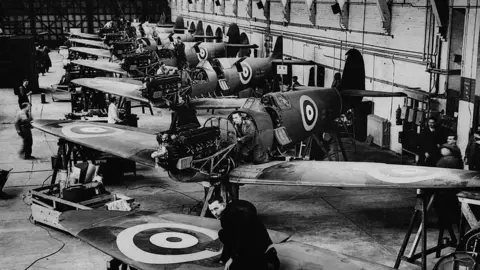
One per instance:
(47,206)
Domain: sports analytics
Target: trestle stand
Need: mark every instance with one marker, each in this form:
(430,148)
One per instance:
(424,202)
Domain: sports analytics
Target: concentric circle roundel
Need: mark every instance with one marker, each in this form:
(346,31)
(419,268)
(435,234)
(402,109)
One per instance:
(166,243)
(399,175)
(309,112)
(246,74)
(89,131)
(202,54)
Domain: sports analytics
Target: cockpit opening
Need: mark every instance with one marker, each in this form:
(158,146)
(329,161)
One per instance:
(199,76)
(218,68)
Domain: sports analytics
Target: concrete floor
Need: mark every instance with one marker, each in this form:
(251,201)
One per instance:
(368,224)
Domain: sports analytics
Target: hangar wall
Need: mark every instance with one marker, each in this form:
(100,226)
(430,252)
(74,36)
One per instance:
(51,20)
(398,52)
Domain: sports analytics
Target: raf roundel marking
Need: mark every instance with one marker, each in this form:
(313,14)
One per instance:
(246,74)
(166,243)
(203,54)
(402,175)
(309,112)
(89,131)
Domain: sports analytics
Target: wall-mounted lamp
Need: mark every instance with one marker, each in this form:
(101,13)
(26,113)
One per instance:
(260,5)
(336,8)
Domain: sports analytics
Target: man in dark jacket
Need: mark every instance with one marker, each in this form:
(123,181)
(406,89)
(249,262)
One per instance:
(429,148)
(23,93)
(472,153)
(245,239)
(450,158)
(250,147)
(180,52)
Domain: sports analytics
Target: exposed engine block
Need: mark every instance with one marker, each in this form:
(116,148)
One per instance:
(177,151)
(162,88)
(136,61)
(111,38)
(123,47)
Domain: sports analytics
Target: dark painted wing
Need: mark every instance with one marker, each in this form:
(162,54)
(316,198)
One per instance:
(353,174)
(126,142)
(296,255)
(132,237)
(218,103)
(119,88)
(93,43)
(293,62)
(101,65)
(367,93)
(92,51)
(135,237)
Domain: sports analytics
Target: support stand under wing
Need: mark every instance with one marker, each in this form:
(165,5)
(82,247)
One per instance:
(425,200)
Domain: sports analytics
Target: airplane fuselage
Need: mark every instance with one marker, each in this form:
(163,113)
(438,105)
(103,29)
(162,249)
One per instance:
(295,115)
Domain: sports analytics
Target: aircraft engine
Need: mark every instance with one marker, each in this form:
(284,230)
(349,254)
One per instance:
(163,91)
(122,47)
(104,31)
(111,38)
(180,150)
(141,63)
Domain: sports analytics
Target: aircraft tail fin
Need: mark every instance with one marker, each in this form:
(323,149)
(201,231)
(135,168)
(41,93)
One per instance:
(353,77)
(233,34)
(352,84)
(278,49)
(179,25)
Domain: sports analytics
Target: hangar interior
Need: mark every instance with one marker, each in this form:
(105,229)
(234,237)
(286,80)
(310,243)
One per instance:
(426,49)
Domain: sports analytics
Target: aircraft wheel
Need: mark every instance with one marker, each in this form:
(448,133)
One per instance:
(470,241)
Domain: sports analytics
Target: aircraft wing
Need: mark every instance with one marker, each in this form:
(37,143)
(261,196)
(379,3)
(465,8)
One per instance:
(293,62)
(126,142)
(218,103)
(245,46)
(101,65)
(353,174)
(86,36)
(118,88)
(124,80)
(367,93)
(93,43)
(144,240)
(92,51)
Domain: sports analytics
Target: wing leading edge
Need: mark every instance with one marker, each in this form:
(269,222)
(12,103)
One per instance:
(126,142)
(353,174)
(115,87)
(101,65)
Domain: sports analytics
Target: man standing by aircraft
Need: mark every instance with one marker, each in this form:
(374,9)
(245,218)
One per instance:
(24,129)
(245,239)
(429,147)
(180,52)
(23,93)
(295,84)
(130,30)
(249,147)
(113,112)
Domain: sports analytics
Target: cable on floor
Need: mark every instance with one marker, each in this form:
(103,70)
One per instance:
(51,236)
